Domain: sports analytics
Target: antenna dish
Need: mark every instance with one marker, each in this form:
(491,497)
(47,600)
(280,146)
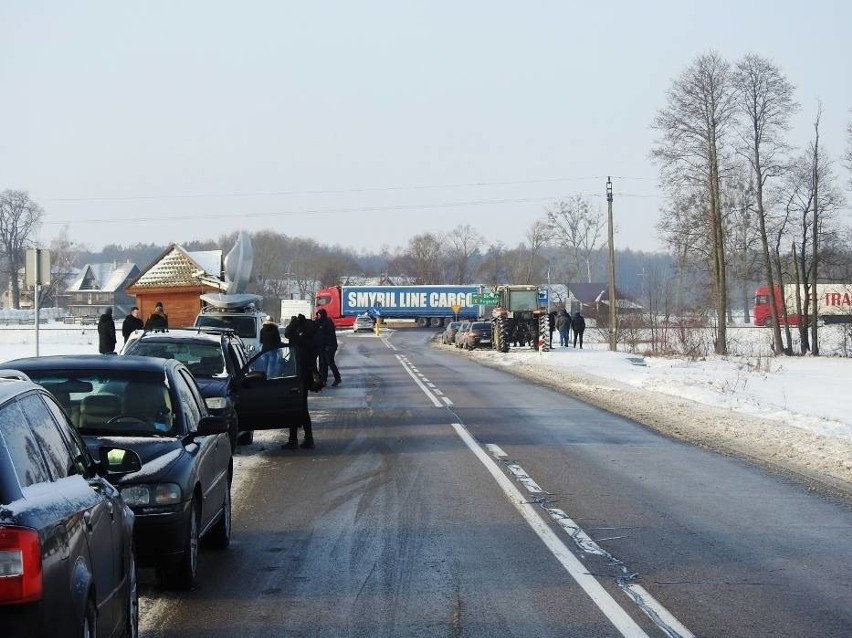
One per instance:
(238,264)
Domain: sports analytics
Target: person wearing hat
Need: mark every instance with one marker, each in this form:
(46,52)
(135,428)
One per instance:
(158,320)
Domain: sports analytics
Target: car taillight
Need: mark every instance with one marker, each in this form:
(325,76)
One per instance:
(475,333)
(20,565)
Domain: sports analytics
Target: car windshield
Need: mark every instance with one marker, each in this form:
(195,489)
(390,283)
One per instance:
(113,402)
(481,325)
(244,326)
(202,359)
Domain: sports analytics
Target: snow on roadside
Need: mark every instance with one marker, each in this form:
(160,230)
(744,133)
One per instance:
(791,414)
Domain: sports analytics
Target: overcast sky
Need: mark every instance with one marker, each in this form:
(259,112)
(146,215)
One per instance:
(365,123)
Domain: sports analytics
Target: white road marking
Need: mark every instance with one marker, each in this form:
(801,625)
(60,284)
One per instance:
(656,612)
(611,609)
(407,368)
(524,478)
(447,401)
(495,450)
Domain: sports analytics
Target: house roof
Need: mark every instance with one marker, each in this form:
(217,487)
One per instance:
(108,277)
(178,268)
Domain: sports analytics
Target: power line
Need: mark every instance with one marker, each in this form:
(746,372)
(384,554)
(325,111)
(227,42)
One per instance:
(330,211)
(117,198)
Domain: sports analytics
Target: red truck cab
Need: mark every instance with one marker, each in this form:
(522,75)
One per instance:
(329,299)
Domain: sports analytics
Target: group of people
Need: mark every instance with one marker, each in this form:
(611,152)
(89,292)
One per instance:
(158,320)
(565,324)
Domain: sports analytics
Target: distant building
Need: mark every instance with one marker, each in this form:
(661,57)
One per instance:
(592,300)
(101,286)
(178,278)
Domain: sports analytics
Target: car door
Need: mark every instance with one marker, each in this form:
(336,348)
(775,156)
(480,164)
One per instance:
(213,454)
(94,530)
(271,398)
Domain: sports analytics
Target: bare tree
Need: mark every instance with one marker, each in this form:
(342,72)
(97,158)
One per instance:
(847,158)
(738,196)
(492,269)
(462,243)
(537,236)
(424,256)
(765,101)
(578,229)
(19,218)
(695,127)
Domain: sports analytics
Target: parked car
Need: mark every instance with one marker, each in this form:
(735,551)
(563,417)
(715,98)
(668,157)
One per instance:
(478,335)
(458,340)
(213,356)
(182,492)
(449,334)
(363,323)
(67,566)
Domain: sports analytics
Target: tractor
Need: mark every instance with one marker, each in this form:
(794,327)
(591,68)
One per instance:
(518,319)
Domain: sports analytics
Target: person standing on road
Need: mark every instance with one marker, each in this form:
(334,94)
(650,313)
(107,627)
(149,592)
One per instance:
(106,333)
(300,333)
(563,325)
(326,338)
(158,320)
(578,325)
(131,323)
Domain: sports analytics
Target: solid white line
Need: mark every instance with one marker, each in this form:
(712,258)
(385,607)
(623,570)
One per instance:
(431,396)
(611,609)
(495,450)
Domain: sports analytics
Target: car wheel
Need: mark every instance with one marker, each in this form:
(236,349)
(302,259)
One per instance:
(131,620)
(219,537)
(181,575)
(246,437)
(90,620)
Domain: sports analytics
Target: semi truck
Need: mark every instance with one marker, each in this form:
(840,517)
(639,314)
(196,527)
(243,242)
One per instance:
(834,304)
(427,305)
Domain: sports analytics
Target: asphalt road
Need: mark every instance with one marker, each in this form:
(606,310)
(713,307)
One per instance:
(449,499)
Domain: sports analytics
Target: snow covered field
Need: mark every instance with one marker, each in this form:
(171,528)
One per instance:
(789,413)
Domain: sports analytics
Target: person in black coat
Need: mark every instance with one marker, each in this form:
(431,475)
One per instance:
(131,322)
(158,320)
(578,325)
(301,334)
(326,344)
(106,333)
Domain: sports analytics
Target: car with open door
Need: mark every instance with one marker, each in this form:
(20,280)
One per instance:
(269,390)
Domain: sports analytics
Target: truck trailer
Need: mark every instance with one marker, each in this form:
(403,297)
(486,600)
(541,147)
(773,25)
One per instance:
(834,304)
(427,305)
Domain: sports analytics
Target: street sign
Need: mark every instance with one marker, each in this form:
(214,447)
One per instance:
(542,296)
(455,308)
(486,299)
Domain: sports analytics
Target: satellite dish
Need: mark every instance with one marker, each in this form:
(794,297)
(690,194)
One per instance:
(238,264)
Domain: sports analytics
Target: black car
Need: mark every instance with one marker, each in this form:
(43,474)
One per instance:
(213,356)
(67,566)
(478,335)
(152,406)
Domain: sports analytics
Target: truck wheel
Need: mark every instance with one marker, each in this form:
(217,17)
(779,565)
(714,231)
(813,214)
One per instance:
(422,322)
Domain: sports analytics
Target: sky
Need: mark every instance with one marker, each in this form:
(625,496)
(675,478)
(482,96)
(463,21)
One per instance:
(363,124)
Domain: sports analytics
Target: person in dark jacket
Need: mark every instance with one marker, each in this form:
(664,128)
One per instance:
(270,341)
(131,322)
(158,320)
(300,333)
(326,344)
(563,325)
(578,325)
(106,333)
(551,325)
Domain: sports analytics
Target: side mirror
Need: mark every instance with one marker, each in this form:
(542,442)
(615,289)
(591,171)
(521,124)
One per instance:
(212,425)
(115,461)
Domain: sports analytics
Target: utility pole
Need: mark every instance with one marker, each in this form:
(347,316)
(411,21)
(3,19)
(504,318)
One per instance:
(612,301)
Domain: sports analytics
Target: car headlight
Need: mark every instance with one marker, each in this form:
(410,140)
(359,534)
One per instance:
(146,495)
(216,403)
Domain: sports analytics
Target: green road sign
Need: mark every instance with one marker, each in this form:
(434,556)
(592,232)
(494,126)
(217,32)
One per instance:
(486,299)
